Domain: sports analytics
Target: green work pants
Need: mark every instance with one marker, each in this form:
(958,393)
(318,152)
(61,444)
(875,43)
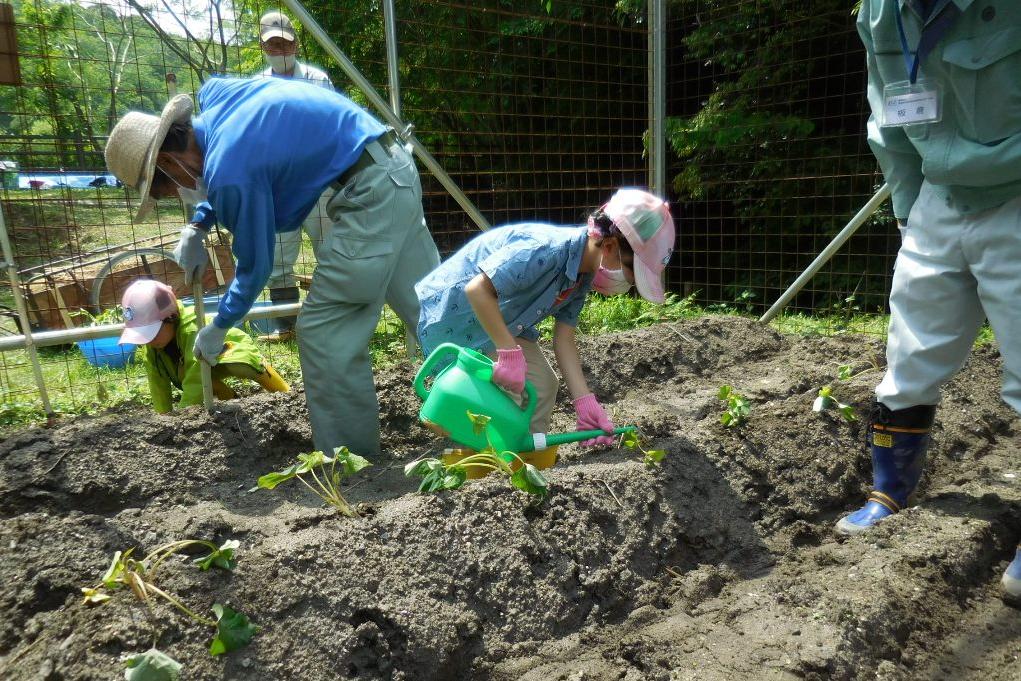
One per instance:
(375,251)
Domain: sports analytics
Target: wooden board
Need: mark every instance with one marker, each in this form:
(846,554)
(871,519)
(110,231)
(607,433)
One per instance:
(55,298)
(10,70)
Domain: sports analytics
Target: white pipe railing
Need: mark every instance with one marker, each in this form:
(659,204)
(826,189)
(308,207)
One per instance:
(42,339)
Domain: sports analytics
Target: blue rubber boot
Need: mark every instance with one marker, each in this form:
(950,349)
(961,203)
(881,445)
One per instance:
(1012,577)
(899,440)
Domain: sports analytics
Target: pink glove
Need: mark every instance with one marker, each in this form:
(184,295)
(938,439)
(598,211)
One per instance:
(592,417)
(509,370)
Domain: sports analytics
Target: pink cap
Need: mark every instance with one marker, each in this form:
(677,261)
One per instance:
(146,304)
(646,223)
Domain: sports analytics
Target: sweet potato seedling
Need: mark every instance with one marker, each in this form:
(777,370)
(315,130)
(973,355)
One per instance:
(326,483)
(233,630)
(825,401)
(737,407)
(437,475)
(650,457)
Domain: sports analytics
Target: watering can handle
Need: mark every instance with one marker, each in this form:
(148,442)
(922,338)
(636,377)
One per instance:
(530,391)
(430,362)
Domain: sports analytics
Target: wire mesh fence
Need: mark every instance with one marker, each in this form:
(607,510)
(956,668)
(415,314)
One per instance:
(536,110)
(770,160)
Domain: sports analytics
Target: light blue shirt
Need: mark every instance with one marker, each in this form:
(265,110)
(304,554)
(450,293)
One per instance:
(271,146)
(534,269)
(972,156)
(305,72)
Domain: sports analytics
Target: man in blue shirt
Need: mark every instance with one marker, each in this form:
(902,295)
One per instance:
(262,152)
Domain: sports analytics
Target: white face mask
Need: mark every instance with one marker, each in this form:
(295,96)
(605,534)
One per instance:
(610,282)
(190,197)
(193,197)
(281,63)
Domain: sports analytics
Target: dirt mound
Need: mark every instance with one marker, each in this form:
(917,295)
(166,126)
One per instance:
(718,564)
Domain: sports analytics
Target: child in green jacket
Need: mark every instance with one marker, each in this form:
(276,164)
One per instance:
(165,329)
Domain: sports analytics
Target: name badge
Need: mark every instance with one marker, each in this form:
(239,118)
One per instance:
(906,103)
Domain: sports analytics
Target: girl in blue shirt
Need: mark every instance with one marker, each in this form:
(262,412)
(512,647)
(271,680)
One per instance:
(491,294)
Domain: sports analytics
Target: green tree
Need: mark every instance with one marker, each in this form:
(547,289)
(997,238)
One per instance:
(769,132)
(82,67)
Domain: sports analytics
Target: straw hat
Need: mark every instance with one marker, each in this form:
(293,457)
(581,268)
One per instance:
(136,140)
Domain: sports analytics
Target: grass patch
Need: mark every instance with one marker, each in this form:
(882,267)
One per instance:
(76,388)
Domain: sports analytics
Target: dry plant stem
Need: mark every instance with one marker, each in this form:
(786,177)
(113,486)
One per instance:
(171,549)
(328,494)
(480,461)
(179,605)
(610,490)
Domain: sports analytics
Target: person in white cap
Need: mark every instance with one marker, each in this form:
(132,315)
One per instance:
(279,44)
(263,150)
(165,329)
(492,293)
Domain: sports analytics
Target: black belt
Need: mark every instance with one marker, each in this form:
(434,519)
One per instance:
(386,140)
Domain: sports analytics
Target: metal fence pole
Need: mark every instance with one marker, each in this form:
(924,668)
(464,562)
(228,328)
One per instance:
(393,75)
(391,117)
(657,97)
(856,222)
(19,303)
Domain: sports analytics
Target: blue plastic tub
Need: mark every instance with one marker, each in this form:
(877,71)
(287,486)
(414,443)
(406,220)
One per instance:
(105,352)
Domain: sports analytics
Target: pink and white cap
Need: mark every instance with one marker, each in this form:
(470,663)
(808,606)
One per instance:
(646,223)
(146,304)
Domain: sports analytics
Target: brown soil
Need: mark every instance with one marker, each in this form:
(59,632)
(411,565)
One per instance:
(721,564)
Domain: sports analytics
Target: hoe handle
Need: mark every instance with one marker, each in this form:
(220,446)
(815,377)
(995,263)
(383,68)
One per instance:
(204,368)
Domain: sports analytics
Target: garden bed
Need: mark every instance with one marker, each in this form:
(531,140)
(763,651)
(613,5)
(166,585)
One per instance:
(719,564)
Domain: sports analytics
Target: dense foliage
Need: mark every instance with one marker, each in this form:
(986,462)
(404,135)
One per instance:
(768,133)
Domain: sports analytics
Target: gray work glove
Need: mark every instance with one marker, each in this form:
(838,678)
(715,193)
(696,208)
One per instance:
(191,253)
(209,343)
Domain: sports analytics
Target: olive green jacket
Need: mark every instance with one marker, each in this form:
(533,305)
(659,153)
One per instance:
(973,155)
(164,373)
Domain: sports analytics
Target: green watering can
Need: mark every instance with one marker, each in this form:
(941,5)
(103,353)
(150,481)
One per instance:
(467,385)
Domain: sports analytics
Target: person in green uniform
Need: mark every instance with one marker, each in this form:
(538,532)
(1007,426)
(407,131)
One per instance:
(165,329)
(945,90)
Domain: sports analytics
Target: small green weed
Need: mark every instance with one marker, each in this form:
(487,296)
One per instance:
(825,401)
(233,629)
(737,407)
(650,457)
(152,665)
